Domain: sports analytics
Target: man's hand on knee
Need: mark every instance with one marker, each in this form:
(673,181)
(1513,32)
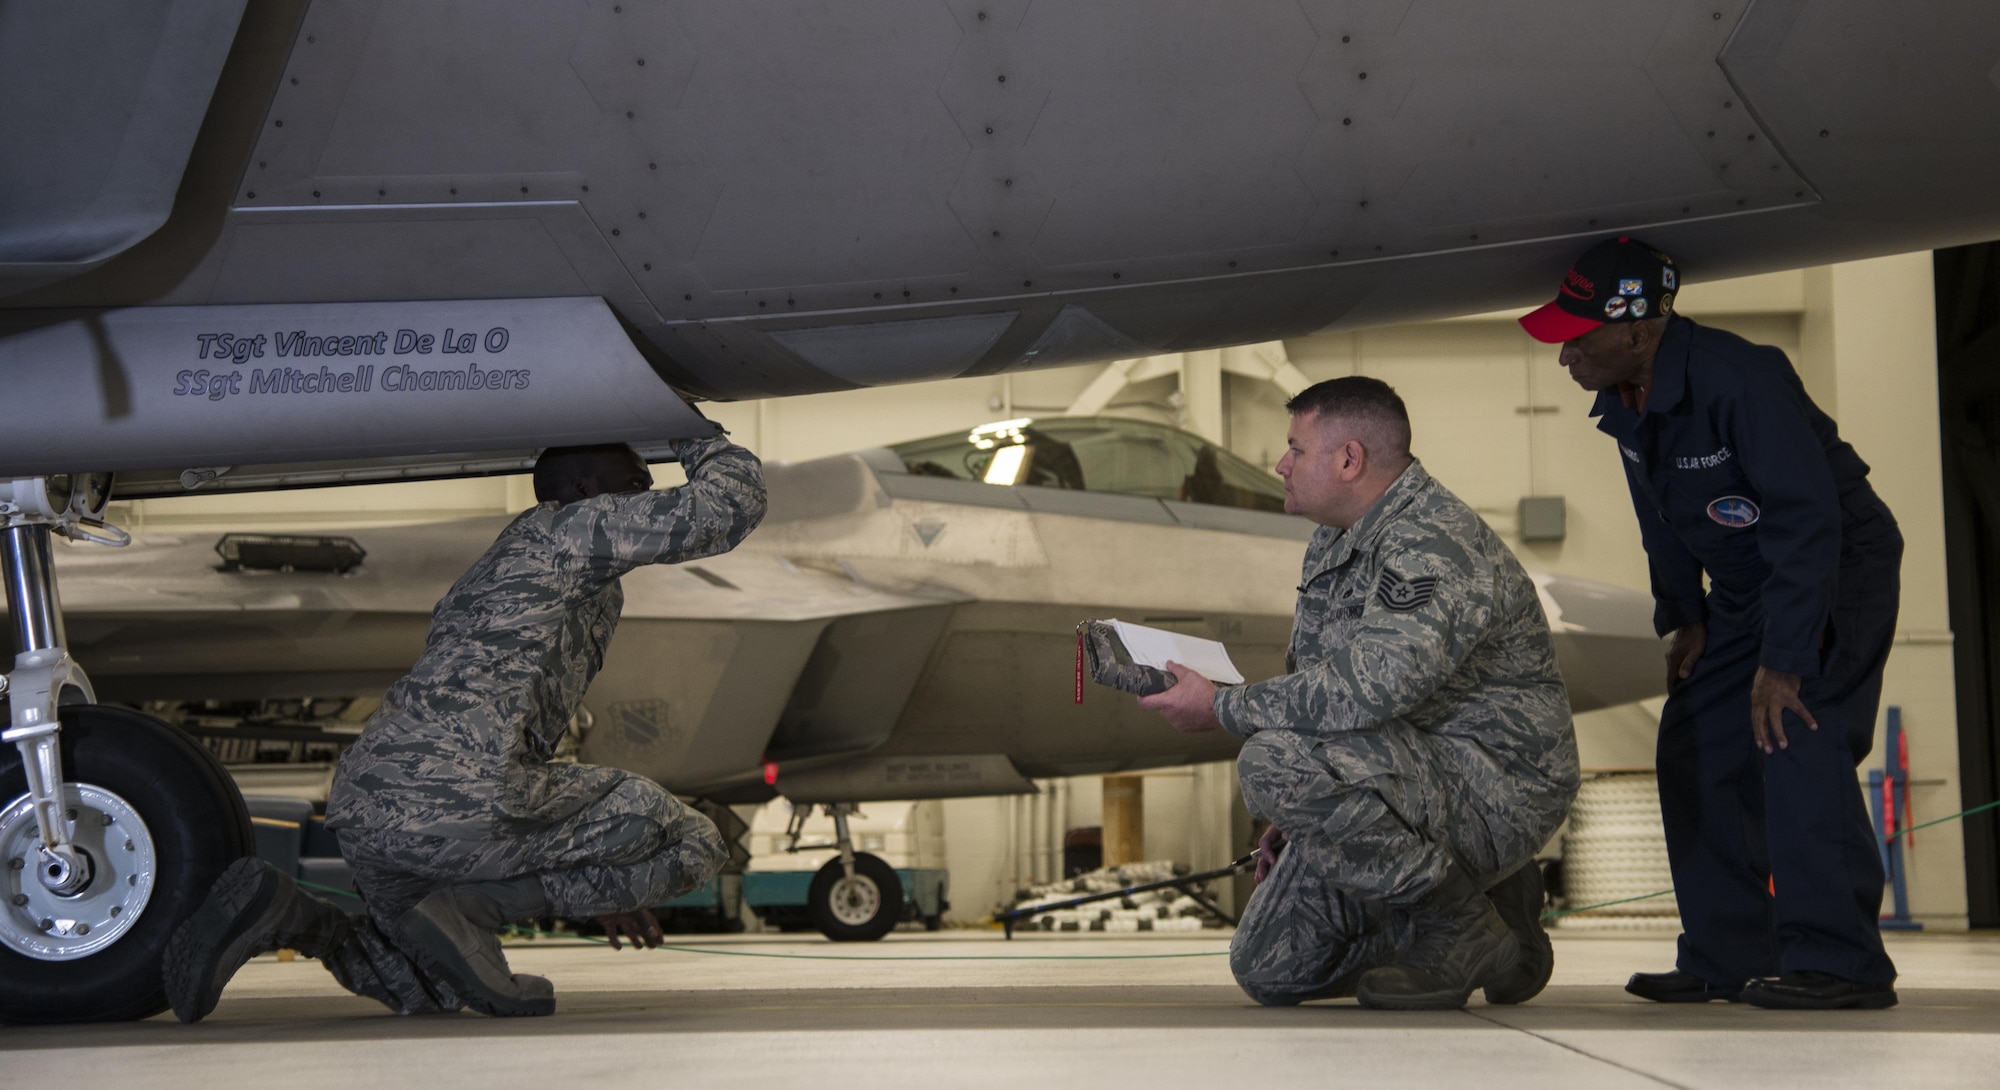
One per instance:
(1269,847)
(637,925)
(1772,694)
(1189,705)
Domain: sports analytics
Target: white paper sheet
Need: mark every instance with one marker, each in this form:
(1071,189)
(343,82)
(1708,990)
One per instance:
(1154,646)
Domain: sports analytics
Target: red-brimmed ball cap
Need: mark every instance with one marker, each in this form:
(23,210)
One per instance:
(1617,280)
(1551,324)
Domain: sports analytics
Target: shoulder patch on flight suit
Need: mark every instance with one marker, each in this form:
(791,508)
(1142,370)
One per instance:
(1400,595)
(1734,511)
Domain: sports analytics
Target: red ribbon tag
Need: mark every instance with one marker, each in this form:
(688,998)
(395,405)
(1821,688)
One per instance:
(1079,667)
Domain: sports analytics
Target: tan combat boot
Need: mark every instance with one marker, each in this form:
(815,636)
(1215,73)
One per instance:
(252,908)
(1520,900)
(1461,945)
(451,933)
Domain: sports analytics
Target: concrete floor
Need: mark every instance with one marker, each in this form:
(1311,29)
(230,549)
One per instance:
(968,1009)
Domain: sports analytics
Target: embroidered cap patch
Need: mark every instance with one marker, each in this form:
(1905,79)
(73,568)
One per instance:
(1400,595)
(1734,511)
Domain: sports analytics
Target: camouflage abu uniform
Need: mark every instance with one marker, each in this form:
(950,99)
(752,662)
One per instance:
(450,783)
(1423,719)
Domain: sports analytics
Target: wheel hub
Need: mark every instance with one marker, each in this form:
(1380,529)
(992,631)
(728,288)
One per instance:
(115,851)
(855,900)
(65,870)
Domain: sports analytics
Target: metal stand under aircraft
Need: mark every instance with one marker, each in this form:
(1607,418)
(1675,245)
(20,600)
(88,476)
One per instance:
(117,824)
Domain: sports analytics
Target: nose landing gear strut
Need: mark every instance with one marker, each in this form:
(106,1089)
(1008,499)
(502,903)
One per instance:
(117,824)
(856,896)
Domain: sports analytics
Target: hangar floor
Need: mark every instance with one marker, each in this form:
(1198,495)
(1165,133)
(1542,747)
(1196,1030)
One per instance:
(967,1009)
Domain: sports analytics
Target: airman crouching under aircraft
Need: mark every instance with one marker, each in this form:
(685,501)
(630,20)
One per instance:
(1419,749)
(448,809)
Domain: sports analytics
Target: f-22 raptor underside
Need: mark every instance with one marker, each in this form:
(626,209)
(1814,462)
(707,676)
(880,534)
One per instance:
(221,222)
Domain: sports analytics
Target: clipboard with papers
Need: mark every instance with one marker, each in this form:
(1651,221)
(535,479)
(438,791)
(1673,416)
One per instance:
(1133,657)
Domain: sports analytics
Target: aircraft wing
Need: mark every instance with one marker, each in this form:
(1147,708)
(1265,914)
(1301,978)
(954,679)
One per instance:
(722,641)
(885,633)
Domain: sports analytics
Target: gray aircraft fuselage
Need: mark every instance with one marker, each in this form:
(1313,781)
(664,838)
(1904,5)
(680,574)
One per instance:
(781,198)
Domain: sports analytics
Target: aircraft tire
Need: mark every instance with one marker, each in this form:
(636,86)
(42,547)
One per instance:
(862,909)
(155,793)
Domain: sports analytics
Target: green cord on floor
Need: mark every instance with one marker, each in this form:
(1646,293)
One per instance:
(1668,892)
(723,953)
(1550,915)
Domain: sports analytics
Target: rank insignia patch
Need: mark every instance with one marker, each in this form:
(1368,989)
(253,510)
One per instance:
(1400,595)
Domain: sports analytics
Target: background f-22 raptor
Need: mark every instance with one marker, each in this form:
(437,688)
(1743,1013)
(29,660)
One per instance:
(901,625)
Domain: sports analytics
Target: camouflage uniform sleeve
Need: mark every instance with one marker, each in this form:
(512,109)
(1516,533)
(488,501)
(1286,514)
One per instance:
(1424,616)
(721,503)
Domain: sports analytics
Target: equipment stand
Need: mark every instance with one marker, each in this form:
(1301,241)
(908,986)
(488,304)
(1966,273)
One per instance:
(1889,800)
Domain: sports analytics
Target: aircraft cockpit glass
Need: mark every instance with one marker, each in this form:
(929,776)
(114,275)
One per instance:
(1096,454)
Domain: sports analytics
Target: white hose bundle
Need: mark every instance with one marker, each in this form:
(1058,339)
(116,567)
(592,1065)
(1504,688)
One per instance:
(1615,849)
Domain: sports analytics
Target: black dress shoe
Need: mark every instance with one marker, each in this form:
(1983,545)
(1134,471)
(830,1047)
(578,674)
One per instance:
(1811,990)
(1675,986)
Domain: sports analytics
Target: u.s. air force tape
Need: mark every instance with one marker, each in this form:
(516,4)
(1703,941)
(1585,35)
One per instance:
(1400,595)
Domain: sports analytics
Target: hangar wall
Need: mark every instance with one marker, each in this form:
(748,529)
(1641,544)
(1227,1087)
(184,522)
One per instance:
(1870,331)
(1494,418)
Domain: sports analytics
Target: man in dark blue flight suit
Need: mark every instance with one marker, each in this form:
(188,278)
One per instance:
(1775,672)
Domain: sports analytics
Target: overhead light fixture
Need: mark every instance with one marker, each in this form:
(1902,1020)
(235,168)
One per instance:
(988,436)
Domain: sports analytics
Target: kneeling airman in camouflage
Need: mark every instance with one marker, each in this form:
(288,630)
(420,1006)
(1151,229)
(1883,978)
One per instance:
(1419,749)
(448,808)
